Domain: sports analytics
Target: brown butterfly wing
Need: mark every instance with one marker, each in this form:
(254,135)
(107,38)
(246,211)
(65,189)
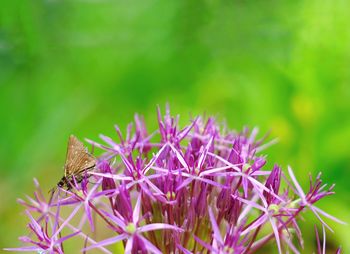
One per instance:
(78,158)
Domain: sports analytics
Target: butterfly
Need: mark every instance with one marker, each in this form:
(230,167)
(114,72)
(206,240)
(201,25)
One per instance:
(78,161)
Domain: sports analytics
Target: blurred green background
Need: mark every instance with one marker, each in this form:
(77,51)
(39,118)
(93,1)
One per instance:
(82,66)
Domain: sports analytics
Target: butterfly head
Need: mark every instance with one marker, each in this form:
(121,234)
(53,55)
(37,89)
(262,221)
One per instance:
(61,183)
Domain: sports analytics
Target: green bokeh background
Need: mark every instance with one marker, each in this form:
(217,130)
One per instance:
(82,66)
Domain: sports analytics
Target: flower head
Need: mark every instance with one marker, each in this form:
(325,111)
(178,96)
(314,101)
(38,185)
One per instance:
(179,189)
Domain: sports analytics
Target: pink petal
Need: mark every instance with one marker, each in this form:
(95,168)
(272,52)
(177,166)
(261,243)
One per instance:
(204,154)
(107,175)
(67,220)
(154,159)
(157,226)
(277,235)
(29,248)
(128,246)
(137,210)
(179,157)
(216,229)
(107,241)
(66,238)
(150,246)
(299,189)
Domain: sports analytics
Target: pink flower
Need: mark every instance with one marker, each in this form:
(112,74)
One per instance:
(190,189)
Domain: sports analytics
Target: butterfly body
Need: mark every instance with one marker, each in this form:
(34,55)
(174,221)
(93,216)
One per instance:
(68,181)
(78,161)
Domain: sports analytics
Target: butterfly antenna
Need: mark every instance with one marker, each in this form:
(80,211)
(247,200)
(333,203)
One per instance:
(52,191)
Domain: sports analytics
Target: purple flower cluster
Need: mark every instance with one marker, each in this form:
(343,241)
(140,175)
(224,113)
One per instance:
(199,189)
